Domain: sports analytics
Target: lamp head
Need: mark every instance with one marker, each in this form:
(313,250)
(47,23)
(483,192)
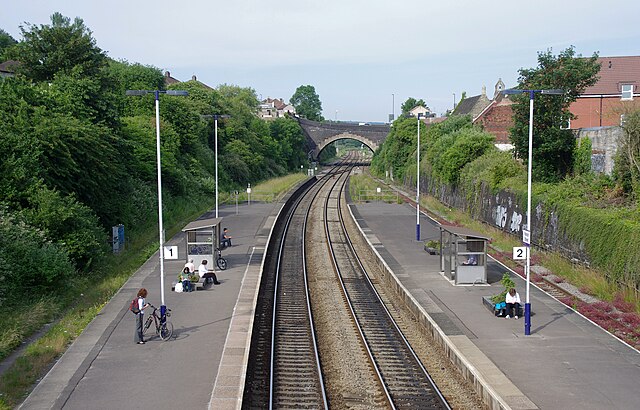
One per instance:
(136,92)
(177,92)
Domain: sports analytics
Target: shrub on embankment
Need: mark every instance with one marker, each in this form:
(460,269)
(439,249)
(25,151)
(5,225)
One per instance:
(584,217)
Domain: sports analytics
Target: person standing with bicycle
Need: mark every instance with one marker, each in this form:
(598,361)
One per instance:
(142,304)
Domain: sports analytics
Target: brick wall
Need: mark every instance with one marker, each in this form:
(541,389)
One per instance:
(497,121)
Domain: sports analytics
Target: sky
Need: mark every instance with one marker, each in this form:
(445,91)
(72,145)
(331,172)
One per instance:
(364,57)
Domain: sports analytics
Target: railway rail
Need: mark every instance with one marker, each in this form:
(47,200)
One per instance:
(405,381)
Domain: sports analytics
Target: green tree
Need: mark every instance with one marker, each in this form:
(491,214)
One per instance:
(552,147)
(307,103)
(410,104)
(49,49)
(6,41)
(627,162)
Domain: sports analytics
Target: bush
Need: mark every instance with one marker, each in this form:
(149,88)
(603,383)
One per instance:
(29,263)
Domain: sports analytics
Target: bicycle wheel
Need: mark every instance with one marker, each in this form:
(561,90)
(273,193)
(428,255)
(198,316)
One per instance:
(147,325)
(166,330)
(222,263)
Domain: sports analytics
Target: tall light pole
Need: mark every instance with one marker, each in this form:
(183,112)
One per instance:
(526,233)
(156,93)
(454,102)
(420,115)
(215,147)
(393,107)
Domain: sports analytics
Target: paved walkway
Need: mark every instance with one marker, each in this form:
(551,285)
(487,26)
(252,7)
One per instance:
(104,369)
(566,362)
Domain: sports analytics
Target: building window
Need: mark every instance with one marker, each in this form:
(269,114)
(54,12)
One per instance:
(627,91)
(622,120)
(565,124)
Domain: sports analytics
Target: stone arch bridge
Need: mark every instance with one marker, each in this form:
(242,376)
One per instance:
(321,134)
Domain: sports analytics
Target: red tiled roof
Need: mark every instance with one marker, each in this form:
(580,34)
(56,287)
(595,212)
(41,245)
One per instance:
(615,71)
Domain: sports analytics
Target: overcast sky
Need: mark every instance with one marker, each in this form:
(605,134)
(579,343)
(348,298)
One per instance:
(360,55)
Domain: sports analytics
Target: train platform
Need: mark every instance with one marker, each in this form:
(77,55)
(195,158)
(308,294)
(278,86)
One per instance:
(566,362)
(105,369)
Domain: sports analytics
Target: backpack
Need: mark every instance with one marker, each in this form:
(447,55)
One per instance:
(133,306)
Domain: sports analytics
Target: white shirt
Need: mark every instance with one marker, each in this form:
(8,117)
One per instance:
(191,266)
(512,299)
(202,270)
(141,303)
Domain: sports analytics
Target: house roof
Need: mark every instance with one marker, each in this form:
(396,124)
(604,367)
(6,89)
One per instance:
(615,71)
(9,66)
(472,105)
(168,80)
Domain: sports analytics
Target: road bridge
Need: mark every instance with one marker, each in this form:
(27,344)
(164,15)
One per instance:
(321,134)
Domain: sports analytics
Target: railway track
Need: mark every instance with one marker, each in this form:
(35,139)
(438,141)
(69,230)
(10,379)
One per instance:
(402,377)
(284,369)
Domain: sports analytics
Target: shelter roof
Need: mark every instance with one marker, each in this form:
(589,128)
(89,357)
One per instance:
(202,224)
(464,232)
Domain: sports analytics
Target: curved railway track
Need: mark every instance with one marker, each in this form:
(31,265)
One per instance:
(284,369)
(405,381)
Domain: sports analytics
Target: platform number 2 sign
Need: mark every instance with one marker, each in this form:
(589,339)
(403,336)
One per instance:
(520,252)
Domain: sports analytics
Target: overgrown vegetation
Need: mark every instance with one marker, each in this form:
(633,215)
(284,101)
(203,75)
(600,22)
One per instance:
(77,156)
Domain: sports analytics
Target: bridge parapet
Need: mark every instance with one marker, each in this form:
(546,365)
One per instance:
(322,134)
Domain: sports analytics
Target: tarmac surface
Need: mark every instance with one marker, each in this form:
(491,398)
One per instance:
(105,369)
(566,362)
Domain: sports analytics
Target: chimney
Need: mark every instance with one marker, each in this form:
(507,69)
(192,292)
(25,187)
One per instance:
(167,74)
(193,77)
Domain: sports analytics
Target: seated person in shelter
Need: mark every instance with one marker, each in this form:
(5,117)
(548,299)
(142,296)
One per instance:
(184,278)
(206,274)
(473,260)
(512,300)
(225,238)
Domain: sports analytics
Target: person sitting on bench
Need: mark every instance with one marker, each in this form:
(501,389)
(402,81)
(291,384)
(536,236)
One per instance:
(512,300)
(473,260)
(206,274)
(225,238)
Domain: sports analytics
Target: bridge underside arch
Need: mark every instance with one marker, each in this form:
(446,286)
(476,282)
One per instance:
(372,145)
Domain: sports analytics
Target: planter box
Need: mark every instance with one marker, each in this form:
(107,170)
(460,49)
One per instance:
(488,303)
(431,251)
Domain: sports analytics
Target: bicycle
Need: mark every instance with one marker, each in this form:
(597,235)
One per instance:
(220,261)
(164,328)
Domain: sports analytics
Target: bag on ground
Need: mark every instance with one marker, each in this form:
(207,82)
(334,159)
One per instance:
(178,287)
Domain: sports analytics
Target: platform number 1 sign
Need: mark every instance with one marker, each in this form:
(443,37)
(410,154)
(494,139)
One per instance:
(520,252)
(170,252)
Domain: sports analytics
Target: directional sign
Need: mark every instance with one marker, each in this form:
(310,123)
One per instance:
(170,252)
(526,237)
(520,252)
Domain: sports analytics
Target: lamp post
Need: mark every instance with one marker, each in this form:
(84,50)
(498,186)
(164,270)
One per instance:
(526,233)
(156,93)
(420,115)
(454,102)
(215,145)
(393,107)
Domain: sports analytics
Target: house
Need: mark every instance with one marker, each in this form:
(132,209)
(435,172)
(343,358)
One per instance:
(422,111)
(7,69)
(275,108)
(604,103)
(495,116)
(168,80)
(473,106)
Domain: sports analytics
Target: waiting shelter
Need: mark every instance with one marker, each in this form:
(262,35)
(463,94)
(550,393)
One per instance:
(463,255)
(203,240)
